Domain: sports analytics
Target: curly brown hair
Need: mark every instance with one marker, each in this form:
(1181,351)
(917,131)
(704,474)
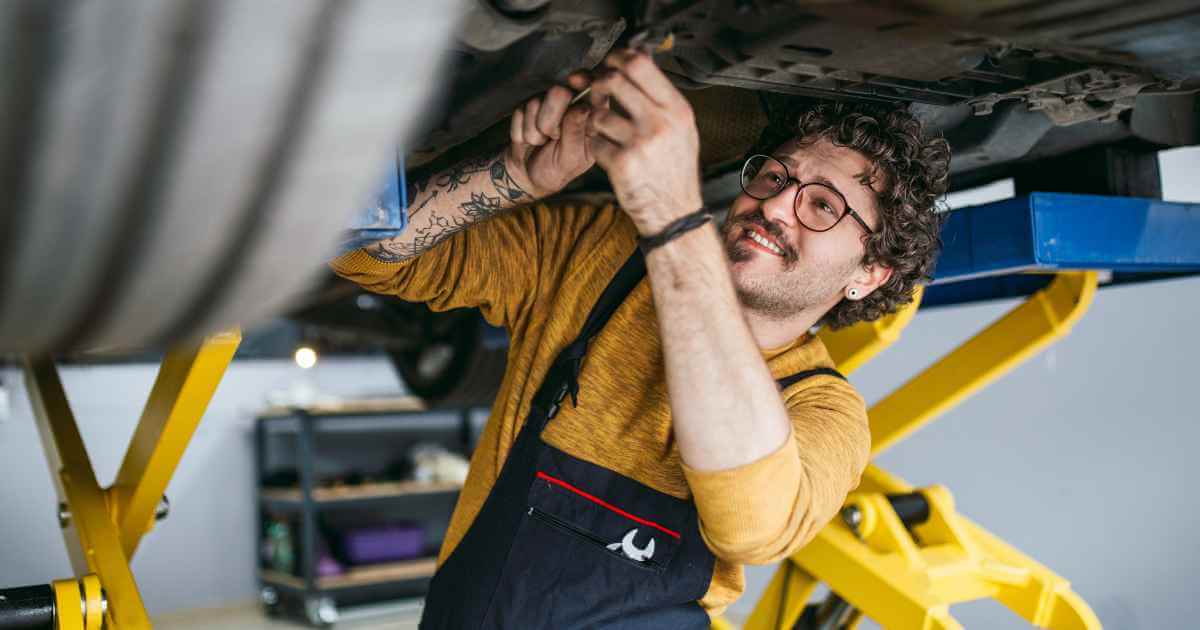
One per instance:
(914,170)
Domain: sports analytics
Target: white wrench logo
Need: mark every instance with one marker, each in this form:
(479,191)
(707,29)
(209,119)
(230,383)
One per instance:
(630,550)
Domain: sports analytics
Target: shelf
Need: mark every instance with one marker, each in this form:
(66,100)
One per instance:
(359,576)
(402,404)
(366,491)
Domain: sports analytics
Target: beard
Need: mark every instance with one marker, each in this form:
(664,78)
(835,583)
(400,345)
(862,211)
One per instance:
(798,286)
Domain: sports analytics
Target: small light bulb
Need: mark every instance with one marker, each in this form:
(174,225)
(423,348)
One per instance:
(306,357)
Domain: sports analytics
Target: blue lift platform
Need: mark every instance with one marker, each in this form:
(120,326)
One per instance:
(1008,248)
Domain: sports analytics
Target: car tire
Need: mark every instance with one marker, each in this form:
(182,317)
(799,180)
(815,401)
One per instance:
(176,167)
(453,366)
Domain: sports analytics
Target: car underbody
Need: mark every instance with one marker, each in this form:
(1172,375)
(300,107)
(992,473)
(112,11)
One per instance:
(1073,96)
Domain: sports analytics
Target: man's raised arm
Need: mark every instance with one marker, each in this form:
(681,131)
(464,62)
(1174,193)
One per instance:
(547,150)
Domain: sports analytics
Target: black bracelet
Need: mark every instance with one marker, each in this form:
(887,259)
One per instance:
(675,228)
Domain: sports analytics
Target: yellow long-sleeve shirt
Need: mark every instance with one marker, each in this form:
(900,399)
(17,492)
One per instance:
(537,271)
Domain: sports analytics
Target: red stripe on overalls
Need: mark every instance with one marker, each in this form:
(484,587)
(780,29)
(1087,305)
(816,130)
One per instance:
(605,504)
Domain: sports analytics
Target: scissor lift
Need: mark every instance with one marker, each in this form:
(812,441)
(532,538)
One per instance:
(898,555)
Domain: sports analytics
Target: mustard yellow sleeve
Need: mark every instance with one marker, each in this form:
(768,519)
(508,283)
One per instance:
(501,265)
(765,510)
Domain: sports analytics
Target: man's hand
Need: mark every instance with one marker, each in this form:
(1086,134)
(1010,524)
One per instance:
(651,154)
(549,147)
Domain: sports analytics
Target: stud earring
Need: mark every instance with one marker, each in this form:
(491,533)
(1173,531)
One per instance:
(852,294)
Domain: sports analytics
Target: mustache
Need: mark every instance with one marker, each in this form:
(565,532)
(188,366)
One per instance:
(756,217)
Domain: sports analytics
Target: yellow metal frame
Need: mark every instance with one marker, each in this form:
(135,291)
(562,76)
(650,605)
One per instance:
(908,580)
(109,523)
(1042,319)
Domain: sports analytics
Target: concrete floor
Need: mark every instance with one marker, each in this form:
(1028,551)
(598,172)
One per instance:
(249,616)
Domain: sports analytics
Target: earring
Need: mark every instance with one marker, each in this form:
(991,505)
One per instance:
(852,294)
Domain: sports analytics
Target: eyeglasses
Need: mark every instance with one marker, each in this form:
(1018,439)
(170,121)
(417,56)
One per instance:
(818,207)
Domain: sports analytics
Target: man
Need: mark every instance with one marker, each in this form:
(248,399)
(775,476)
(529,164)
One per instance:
(641,448)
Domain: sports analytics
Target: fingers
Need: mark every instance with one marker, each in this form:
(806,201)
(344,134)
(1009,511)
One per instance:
(554,105)
(641,70)
(516,130)
(579,80)
(617,86)
(532,135)
(575,122)
(612,126)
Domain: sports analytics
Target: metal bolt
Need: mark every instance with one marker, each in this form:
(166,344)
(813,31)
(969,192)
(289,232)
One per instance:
(163,509)
(852,516)
(64,516)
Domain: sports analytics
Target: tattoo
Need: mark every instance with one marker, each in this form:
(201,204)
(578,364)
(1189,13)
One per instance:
(461,173)
(481,206)
(434,227)
(421,206)
(504,183)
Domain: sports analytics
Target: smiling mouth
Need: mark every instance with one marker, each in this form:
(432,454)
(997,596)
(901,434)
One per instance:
(762,242)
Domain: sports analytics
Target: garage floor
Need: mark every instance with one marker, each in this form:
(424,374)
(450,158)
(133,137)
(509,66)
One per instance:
(249,616)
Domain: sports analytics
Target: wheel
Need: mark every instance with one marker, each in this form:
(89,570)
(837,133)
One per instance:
(455,364)
(173,168)
(269,597)
(320,611)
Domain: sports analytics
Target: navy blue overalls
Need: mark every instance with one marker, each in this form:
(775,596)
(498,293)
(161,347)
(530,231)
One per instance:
(562,543)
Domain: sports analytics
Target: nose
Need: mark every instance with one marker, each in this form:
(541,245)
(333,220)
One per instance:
(780,207)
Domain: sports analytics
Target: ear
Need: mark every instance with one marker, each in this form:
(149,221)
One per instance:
(868,278)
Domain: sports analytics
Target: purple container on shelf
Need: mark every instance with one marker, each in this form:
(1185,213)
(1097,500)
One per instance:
(389,543)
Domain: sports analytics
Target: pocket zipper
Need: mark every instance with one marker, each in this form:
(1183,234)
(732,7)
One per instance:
(571,528)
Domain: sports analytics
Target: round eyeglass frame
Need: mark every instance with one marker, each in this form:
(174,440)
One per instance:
(800,189)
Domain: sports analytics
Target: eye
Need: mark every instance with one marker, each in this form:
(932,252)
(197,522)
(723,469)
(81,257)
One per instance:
(827,208)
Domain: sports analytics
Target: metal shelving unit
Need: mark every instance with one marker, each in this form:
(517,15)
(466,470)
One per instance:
(315,597)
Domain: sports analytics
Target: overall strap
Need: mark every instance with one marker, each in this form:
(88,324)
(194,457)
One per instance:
(563,377)
(787,381)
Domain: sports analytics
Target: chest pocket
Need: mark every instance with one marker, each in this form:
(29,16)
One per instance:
(613,531)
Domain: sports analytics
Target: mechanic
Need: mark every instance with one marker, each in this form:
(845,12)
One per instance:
(666,415)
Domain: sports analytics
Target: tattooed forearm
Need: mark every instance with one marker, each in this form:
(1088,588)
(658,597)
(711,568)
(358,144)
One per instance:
(449,202)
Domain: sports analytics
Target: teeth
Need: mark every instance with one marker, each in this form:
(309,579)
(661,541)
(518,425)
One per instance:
(758,238)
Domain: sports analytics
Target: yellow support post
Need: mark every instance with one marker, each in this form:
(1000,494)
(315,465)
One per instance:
(98,545)
(185,384)
(1045,317)
(110,523)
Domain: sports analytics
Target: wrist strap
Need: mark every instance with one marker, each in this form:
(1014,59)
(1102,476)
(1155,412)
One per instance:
(674,229)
